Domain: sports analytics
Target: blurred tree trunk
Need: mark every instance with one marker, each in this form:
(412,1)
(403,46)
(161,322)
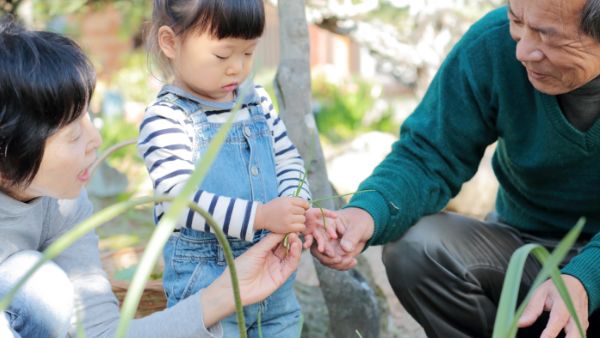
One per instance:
(351,303)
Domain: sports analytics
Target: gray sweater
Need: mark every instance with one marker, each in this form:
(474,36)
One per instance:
(35,225)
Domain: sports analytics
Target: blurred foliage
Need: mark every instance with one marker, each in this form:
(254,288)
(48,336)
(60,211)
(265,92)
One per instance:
(342,110)
(347,109)
(128,273)
(135,11)
(132,80)
(116,130)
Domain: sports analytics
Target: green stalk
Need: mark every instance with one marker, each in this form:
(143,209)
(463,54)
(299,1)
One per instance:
(79,326)
(300,325)
(318,200)
(324,218)
(222,238)
(259,322)
(302,179)
(109,151)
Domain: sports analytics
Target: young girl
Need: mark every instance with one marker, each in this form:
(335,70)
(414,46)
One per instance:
(207,47)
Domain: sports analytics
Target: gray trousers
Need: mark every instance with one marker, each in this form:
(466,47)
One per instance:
(448,270)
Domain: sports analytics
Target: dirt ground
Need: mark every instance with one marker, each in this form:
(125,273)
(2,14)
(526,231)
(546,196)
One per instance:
(400,323)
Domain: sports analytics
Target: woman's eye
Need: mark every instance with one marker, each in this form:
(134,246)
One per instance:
(220,57)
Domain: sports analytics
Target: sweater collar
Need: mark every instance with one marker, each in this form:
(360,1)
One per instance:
(12,207)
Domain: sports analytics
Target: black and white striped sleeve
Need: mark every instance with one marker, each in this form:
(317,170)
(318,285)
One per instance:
(166,145)
(288,162)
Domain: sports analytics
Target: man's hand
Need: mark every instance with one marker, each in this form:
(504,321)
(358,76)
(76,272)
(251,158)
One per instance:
(356,227)
(547,298)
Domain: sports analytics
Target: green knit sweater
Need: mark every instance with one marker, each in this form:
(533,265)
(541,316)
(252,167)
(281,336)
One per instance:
(549,172)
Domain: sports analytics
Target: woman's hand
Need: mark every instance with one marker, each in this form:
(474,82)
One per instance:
(266,266)
(260,271)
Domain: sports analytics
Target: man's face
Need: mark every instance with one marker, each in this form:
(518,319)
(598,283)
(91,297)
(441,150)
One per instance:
(558,56)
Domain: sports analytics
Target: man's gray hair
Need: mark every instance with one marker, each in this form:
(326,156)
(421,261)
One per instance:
(590,19)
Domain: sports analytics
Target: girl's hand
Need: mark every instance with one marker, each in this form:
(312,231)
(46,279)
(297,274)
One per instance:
(281,215)
(321,225)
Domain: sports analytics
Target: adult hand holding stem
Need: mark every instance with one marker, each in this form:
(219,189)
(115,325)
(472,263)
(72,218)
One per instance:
(260,271)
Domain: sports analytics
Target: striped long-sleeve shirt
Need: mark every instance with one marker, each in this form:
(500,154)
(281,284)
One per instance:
(166,145)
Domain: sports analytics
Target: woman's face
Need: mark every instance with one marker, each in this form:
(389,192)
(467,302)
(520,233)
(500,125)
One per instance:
(68,155)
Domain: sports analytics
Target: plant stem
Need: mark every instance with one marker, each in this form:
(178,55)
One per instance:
(230,263)
(318,200)
(109,151)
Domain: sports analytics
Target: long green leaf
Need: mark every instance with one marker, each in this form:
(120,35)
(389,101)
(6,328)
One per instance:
(510,291)
(550,267)
(300,325)
(505,325)
(562,290)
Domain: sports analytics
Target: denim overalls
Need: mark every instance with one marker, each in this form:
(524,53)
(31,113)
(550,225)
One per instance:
(244,168)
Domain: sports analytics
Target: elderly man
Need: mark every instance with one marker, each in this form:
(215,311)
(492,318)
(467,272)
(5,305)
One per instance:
(528,76)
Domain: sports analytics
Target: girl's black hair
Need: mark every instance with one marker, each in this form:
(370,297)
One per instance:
(46,82)
(243,19)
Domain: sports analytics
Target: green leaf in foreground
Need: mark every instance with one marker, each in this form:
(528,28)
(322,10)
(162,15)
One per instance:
(505,325)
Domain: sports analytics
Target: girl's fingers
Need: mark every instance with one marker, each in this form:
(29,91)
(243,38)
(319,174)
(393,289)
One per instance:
(298,210)
(319,238)
(298,218)
(328,213)
(340,228)
(331,228)
(328,249)
(308,241)
(301,202)
(324,259)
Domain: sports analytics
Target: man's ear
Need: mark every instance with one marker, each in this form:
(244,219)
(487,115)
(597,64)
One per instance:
(167,41)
